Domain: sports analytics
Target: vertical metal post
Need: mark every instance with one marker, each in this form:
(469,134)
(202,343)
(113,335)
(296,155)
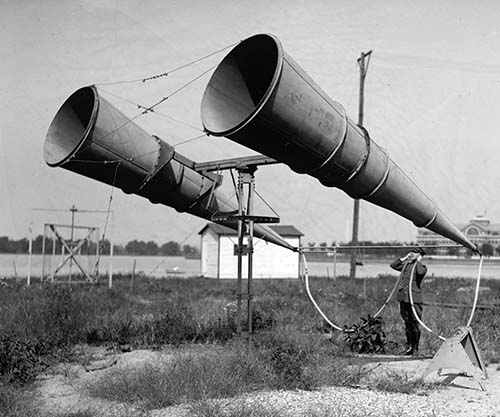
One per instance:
(73,210)
(363,69)
(251,189)
(334,264)
(52,259)
(241,232)
(43,252)
(110,280)
(30,253)
(98,256)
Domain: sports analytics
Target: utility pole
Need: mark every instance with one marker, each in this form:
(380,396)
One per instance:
(363,62)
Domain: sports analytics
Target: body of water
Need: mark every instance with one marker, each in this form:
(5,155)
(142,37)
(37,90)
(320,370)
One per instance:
(12,265)
(449,268)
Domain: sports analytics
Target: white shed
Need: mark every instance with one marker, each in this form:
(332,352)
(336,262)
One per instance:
(218,259)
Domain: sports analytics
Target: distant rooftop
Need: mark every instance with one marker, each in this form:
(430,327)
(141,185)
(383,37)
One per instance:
(282,230)
(480,221)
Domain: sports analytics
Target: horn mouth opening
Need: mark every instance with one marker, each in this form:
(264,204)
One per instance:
(241,84)
(71,126)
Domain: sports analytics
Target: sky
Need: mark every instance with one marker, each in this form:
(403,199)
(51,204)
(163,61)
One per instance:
(431,100)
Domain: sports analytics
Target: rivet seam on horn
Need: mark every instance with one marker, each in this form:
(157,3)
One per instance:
(157,166)
(384,177)
(341,142)
(153,171)
(361,163)
(433,217)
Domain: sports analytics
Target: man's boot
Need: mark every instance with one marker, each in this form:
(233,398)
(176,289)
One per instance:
(415,344)
(409,342)
(409,351)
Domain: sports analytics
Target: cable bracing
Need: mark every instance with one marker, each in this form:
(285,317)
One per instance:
(167,73)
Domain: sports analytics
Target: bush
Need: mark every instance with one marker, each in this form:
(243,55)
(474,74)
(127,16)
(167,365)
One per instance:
(366,337)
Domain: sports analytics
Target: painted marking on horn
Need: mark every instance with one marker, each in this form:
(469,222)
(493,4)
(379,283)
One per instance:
(341,142)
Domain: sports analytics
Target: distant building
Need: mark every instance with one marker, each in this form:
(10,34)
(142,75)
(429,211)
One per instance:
(479,231)
(218,258)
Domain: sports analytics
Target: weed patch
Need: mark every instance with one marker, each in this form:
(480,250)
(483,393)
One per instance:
(183,378)
(16,401)
(400,382)
(366,337)
(20,360)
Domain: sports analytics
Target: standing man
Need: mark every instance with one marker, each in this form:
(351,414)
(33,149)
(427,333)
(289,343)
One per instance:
(411,262)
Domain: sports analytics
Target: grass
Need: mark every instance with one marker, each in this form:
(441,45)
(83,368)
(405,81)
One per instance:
(17,401)
(42,323)
(186,377)
(402,382)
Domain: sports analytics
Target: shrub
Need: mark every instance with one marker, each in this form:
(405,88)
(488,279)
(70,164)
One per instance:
(366,337)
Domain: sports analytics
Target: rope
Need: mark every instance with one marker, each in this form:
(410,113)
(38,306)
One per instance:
(235,186)
(167,73)
(151,108)
(140,106)
(133,158)
(266,203)
(108,211)
(190,140)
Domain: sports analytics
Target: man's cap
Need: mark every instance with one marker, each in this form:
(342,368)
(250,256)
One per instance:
(419,249)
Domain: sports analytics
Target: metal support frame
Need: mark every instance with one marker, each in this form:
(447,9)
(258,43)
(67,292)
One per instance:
(71,243)
(246,167)
(459,352)
(245,177)
(72,247)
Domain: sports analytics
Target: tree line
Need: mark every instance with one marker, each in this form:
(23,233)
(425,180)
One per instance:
(133,247)
(386,249)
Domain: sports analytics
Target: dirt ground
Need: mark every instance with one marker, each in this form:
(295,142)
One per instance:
(63,391)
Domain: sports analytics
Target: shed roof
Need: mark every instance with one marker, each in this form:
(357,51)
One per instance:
(286,230)
(282,230)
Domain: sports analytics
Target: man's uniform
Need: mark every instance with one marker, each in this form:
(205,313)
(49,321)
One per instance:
(411,323)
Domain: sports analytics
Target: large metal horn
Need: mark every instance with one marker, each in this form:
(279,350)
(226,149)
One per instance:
(92,138)
(259,97)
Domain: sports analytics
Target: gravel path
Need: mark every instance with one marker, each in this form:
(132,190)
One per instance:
(461,397)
